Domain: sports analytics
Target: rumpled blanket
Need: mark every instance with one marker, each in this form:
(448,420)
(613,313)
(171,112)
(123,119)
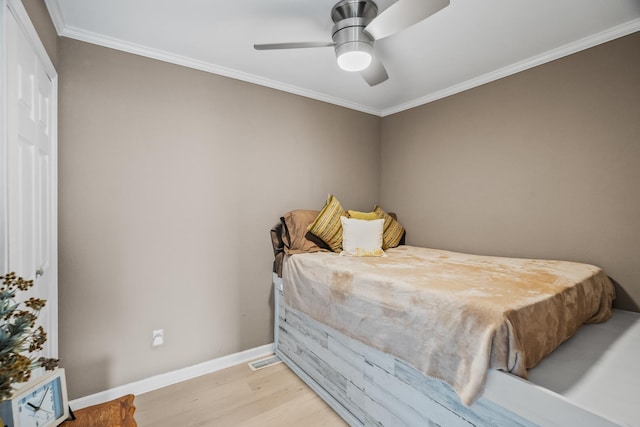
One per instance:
(450,315)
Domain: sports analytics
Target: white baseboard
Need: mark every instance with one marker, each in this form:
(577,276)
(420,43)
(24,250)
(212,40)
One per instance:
(163,380)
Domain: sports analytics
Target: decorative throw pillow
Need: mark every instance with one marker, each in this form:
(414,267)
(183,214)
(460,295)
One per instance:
(327,226)
(393,231)
(363,215)
(361,237)
(296,239)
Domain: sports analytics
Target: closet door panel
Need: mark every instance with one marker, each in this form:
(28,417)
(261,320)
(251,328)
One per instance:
(30,147)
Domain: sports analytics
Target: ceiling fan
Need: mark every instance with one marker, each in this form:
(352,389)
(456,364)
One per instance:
(357,26)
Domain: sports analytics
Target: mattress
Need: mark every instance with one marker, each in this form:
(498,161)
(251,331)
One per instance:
(451,316)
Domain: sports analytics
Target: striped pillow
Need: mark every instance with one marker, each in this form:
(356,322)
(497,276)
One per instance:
(327,226)
(392,232)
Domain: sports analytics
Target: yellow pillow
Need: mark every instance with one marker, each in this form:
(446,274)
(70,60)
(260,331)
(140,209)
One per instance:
(327,226)
(369,216)
(392,232)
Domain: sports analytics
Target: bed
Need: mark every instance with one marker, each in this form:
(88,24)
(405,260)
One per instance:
(363,333)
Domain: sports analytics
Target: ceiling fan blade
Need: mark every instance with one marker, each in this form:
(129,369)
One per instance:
(294,45)
(402,14)
(375,73)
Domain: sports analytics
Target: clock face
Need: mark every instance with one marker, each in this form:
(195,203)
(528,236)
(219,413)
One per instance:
(42,406)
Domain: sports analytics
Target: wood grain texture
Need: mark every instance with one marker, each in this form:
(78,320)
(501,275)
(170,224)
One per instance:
(369,387)
(237,396)
(115,413)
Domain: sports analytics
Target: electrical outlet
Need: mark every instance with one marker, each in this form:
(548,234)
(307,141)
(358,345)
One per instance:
(157,338)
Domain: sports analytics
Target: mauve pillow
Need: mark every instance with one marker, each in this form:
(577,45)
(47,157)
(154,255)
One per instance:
(296,238)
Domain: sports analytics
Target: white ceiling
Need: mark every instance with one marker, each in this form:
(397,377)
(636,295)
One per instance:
(468,43)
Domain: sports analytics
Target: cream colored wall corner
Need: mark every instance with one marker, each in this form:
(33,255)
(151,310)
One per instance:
(170,179)
(541,164)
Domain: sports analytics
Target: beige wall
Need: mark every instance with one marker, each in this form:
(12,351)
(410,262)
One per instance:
(170,180)
(545,163)
(39,15)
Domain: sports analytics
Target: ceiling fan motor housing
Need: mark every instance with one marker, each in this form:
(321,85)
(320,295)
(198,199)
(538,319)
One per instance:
(350,18)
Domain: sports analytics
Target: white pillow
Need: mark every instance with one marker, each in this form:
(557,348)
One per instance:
(362,237)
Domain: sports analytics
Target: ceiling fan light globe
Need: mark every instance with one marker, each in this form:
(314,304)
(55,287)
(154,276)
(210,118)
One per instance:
(354,60)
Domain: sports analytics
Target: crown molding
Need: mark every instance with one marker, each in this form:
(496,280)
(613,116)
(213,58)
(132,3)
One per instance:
(551,55)
(56,15)
(122,45)
(137,49)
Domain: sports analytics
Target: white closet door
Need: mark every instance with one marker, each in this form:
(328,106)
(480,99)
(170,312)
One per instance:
(31,172)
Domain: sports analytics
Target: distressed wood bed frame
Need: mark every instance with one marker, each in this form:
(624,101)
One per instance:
(367,387)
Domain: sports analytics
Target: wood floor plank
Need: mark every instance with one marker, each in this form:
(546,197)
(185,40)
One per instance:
(237,396)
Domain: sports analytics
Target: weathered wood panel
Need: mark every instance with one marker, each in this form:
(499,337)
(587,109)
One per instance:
(372,388)
(387,391)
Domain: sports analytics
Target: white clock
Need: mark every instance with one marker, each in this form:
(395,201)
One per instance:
(41,402)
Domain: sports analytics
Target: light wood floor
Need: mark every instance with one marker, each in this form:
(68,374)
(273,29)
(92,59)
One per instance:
(237,396)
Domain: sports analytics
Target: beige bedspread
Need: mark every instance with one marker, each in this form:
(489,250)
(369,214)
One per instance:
(450,315)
